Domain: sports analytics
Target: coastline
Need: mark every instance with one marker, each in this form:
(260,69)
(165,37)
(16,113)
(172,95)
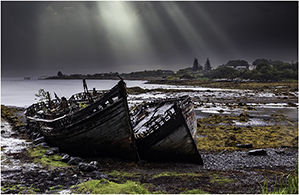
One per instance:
(227,169)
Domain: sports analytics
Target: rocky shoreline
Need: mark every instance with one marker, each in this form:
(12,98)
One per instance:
(227,168)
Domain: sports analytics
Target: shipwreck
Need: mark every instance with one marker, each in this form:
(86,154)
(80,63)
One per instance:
(166,130)
(88,123)
(94,123)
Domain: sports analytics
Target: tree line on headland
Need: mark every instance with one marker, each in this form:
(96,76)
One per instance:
(261,70)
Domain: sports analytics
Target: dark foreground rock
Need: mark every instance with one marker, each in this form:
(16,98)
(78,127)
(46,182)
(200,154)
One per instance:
(257,152)
(223,172)
(244,146)
(45,181)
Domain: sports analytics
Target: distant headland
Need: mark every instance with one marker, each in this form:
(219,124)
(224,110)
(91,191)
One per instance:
(261,70)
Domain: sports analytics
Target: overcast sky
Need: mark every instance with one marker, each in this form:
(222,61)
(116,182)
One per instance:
(42,38)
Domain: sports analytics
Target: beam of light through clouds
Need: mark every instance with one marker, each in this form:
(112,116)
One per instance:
(126,37)
(191,35)
(220,34)
(42,38)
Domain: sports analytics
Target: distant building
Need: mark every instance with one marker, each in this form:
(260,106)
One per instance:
(252,67)
(238,64)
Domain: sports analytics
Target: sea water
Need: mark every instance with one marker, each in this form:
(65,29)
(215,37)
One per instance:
(21,93)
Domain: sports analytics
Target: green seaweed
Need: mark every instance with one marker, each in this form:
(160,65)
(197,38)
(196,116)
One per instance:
(176,174)
(194,191)
(38,155)
(104,186)
(20,189)
(215,178)
(225,137)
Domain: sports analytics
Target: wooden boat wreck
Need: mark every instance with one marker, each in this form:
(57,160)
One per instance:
(88,124)
(166,130)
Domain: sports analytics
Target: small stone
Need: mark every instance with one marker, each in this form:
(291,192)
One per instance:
(244,146)
(39,140)
(100,175)
(95,163)
(33,135)
(55,149)
(257,152)
(74,161)
(86,167)
(65,158)
(22,129)
(280,151)
(49,152)
(43,144)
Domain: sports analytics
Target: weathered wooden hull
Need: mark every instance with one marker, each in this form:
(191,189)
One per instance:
(174,140)
(103,128)
(107,133)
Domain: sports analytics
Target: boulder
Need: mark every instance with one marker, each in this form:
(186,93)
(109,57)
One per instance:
(39,140)
(99,175)
(74,161)
(82,166)
(257,152)
(49,152)
(95,163)
(43,144)
(244,146)
(55,149)
(33,135)
(65,158)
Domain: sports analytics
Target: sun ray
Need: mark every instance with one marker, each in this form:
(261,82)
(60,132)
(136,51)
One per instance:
(125,33)
(220,34)
(190,34)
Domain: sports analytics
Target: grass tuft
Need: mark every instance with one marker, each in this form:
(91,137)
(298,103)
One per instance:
(104,186)
(289,187)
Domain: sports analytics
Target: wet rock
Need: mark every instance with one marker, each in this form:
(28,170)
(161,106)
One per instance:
(14,134)
(99,175)
(74,161)
(49,152)
(280,151)
(39,135)
(257,152)
(244,146)
(2,131)
(65,158)
(39,140)
(33,135)
(29,131)
(11,181)
(86,167)
(22,129)
(44,145)
(95,163)
(55,149)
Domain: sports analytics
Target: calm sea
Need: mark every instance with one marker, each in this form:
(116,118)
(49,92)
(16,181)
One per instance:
(20,92)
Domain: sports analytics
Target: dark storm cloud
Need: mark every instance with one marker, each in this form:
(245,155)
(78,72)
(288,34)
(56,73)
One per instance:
(18,34)
(44,37)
